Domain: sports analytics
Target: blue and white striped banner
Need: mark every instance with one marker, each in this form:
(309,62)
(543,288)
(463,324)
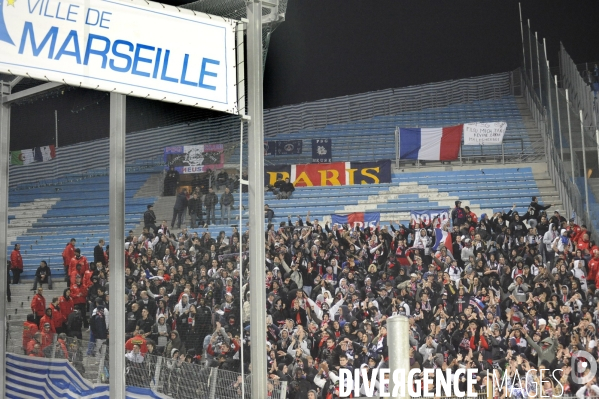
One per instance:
(34,377)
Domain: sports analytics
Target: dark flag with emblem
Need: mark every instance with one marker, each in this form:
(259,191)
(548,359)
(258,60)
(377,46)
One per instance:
(321,151)
(289,147)
(269,148)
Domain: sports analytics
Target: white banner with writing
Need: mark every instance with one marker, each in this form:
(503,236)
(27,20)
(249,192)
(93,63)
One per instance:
(479,133)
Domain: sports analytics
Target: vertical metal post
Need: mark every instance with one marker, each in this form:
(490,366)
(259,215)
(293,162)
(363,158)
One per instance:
(256,198)
(570,134)
(597,143)
(522,36)
(549,101)
(532,82)
(4,162)
(240,70)
(241,109)
(559,122)
(397,148)
(584,163)
(502,154)
(399,350)
(240,231)
(539,69)
(116,199)
(56,128)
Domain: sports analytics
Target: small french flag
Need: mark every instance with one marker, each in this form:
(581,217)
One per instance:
(442,236)
(430,144)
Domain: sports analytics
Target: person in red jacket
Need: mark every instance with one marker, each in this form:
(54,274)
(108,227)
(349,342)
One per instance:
(79,294)
(65,303)
(67,254)
(76,273)
(137,339)
(47,335)
(16,264)
(593,270)
(34,346)
(57,316)
(29,330)
(38,305)
(78,259)
(47,319)
(87,276)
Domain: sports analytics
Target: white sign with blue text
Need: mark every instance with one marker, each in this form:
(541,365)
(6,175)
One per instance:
(133,47)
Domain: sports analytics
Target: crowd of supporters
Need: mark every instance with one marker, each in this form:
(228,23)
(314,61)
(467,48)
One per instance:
(510,292)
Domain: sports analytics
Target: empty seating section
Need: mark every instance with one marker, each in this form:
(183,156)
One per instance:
(79,208)
(374,139)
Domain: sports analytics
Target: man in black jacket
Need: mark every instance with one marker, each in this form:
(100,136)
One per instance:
(99,252)
(42,275)
(195,210)
(226,202)
(286,189)
(535,209)
(150,219)
(210,201)
(179,208)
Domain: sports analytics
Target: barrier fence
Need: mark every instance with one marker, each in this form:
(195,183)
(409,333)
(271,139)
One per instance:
(176,377)
(565,111)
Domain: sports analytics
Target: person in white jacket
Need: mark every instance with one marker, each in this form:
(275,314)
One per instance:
(562,243)
(548,238)
(423,241)
(590,389)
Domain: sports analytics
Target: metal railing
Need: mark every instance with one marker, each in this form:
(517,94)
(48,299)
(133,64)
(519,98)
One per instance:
(568,189)
(583,97)
(176,377)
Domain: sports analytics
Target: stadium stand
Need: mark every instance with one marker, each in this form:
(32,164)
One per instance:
(482,276)
(368,140)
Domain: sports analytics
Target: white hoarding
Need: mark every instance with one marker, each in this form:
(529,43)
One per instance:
(478,133)
(133,47)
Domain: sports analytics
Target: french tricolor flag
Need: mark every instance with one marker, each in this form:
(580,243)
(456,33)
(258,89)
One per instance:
(430,144)
(442,236)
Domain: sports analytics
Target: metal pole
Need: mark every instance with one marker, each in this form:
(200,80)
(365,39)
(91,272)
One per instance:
(241,254)
(584,163)
(597,142)
(532,82)
(522,35)
(399,351)
(549,100)
(118,114)
(397,148)
(256,198)
(539,69)
(56,128)
(240,71)
(559,122)
(570,134)
(4,162)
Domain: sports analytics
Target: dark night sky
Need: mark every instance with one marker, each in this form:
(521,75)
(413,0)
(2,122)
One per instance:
(333,48)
